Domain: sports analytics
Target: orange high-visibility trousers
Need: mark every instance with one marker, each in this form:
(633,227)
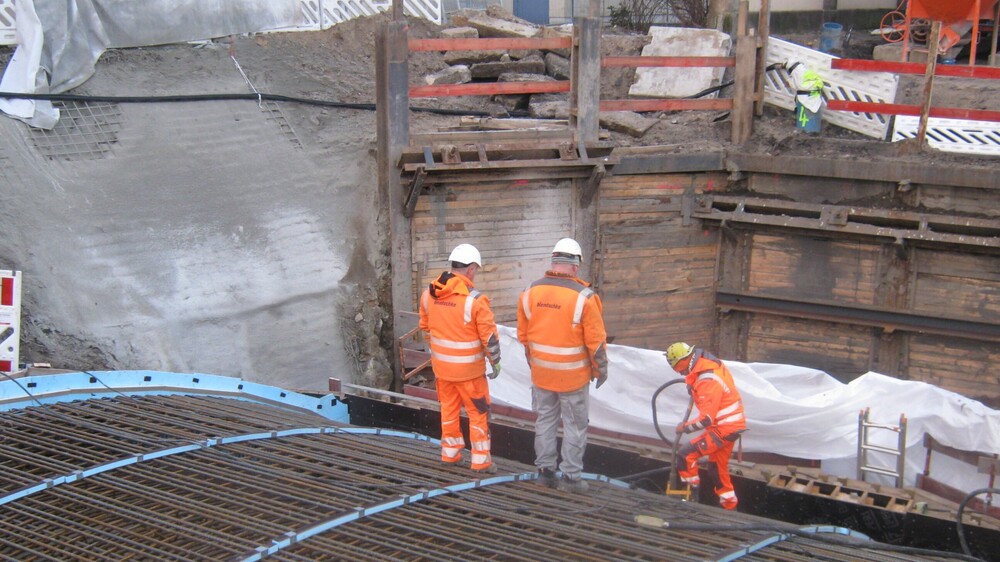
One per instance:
(718,449)
(474,396)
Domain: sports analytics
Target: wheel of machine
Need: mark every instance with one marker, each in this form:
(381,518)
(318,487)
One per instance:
(893,26)
(920,29)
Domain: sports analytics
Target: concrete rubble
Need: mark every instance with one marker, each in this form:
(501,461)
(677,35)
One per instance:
(554,64)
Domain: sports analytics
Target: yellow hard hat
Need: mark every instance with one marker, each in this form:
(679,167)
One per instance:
(678,352)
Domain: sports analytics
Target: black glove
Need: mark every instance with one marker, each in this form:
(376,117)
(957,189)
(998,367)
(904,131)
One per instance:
(601,380)
(496,371)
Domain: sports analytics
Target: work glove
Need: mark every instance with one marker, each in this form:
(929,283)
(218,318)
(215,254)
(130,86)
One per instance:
(601,380)
(683,428)
(496,371)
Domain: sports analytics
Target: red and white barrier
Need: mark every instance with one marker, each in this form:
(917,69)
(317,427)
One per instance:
(10,319)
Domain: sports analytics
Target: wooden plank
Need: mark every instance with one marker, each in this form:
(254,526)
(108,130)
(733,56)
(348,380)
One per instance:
(490,43)
(776,339)
(491,136)
(743,89)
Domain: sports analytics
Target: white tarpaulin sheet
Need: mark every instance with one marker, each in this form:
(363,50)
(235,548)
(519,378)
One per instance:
(791,411)
(61,40)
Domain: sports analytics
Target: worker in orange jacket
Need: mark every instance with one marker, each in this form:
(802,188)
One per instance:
(720,416)
(459,326)
(560,324)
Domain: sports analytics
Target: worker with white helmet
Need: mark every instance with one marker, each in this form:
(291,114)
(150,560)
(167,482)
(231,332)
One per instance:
(560,324)
(720,417)
(459,325)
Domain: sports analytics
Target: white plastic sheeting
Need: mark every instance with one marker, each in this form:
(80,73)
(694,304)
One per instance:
(61,40)
(792,411)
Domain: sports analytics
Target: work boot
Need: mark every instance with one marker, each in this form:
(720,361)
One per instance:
(575,486)
(491,469)
(547,478)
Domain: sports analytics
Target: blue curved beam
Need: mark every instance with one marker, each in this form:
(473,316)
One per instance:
(814,529)
(207,443)
(357,513)
(51,389)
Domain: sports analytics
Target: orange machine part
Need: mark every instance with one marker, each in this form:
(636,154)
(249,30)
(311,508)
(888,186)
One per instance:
(949,11)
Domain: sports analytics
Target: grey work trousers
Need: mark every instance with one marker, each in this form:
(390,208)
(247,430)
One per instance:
(572,408)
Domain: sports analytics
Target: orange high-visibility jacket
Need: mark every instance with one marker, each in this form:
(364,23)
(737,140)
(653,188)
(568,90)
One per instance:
(560,323)
(715,395)
(460,328)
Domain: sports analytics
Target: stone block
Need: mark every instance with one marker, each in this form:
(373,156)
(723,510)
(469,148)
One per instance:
(519,54)
(680,82)
(495,27)
(549,106)
(459,74)
(470,58)
(512,102)
(628,122)
(888,52)
(557,66)
(565,30)
(460,33)
(495,69)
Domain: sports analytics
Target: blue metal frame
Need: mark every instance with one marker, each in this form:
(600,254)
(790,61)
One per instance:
(816,529)
(84,385)
(291,538)
(207,443)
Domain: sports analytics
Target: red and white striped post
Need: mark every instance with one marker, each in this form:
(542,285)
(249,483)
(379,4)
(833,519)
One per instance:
(10,319)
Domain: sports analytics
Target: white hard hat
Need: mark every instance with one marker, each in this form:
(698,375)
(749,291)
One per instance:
(568,246)
(466,253)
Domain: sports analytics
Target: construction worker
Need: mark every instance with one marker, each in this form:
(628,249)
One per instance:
(459,326)
(559,323)
(720,417)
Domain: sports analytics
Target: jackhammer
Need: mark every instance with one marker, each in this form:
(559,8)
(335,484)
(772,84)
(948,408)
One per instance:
(674,486)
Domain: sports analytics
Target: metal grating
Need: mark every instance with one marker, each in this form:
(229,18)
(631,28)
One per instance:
(241,499)
(337,11)
(8,27)
(952,135)
(875,87)
(85,131)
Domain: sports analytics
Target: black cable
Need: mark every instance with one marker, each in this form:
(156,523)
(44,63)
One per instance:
(961,508)
(219,97)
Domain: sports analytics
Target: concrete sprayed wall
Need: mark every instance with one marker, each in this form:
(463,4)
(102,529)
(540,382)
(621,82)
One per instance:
(221,237)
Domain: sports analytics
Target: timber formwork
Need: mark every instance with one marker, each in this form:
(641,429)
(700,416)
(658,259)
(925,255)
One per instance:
(193,476)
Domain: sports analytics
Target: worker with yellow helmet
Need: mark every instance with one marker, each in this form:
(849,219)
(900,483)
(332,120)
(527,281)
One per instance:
(720,417)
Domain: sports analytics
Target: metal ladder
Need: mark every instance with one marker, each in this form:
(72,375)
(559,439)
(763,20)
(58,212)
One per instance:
(864,447)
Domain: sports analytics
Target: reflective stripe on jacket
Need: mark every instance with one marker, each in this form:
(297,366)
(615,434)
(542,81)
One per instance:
(460,328)
(560,324)
(716,396)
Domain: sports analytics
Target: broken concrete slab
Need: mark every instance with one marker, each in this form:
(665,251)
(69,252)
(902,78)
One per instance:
(888,52)
(488,26)
(518,102)
(557,66)
(549,106)
(565,30)
(470,58)
(519,54)
(680,82)
(495,69)
(459,74)
(628,122)
(460,33)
